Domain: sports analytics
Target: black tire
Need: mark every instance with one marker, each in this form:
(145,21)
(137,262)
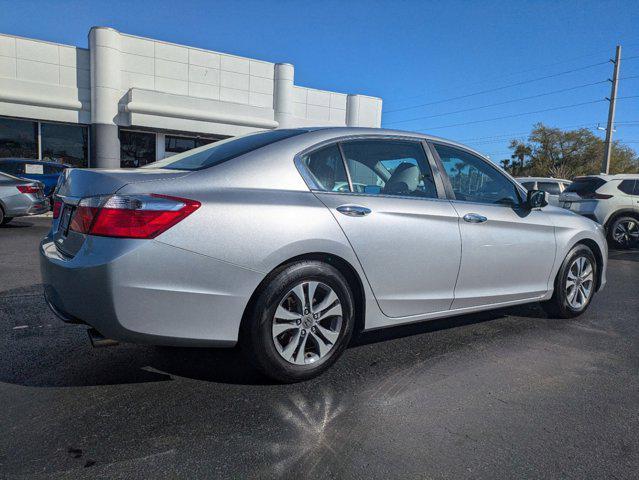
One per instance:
(623,241)
(558,306)
(257,341)
(4,220)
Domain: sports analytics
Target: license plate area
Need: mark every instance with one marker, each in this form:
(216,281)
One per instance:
(65,220)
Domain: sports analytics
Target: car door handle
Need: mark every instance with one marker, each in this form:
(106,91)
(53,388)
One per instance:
(353,210)
(474,218)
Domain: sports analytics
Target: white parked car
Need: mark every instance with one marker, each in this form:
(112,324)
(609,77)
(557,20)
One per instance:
(552,186)
(611,200)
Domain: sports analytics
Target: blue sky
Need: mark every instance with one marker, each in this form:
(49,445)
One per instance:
(409,53)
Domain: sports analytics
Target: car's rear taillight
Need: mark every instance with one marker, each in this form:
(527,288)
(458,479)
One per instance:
(130,216)
(28,188)
(57,208)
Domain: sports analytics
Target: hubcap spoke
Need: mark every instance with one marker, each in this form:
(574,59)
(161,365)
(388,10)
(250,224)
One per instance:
(279,328)
(335,310)
(329,335)
(284,314)
(287,352)
(300,356)
(321,345)
(329,300)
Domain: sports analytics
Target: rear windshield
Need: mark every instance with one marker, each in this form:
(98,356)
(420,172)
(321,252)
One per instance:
(585,185)
(218,152)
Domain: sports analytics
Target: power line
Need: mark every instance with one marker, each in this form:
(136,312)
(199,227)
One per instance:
(516,115)
(520,72)
(503,87)
(563,107)
(499,103)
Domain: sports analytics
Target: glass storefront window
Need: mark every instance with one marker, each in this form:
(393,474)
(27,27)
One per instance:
(136,148)
(18,138)
(64,144)
(174,144)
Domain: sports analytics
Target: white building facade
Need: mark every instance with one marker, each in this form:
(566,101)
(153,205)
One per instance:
(127,101)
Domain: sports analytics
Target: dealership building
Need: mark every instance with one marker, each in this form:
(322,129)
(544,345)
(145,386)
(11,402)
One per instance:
(126,101)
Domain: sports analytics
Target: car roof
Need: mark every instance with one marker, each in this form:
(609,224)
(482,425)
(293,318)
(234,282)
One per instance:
(381,132)
(542,179)
(32,160)
(618,176)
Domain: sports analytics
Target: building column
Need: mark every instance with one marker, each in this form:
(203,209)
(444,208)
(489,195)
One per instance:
(104,46)
(283,94)
(352,110)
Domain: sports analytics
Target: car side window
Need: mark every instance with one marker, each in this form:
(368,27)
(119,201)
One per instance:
(528,185)
(389,167)
(474,180)
(628,187)
(12,168)
(552,188)
(327,169)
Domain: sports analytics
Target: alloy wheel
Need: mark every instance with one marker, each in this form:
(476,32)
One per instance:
(307,323)
(579,282)
(626,232)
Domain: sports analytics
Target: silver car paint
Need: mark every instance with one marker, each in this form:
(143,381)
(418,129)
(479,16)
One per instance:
(191,284)
(17,204)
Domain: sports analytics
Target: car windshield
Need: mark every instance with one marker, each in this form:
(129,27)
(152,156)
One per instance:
(216,153)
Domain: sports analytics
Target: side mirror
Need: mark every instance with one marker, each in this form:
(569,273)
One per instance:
(536,199)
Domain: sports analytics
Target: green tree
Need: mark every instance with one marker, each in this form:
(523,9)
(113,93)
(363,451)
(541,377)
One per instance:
(567,153)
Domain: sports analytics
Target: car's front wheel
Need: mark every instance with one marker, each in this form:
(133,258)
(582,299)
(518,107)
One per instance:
(624,232)
(575,284)
(301,322)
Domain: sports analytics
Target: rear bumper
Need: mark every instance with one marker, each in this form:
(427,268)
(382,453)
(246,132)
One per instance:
(22,205)
(143,291)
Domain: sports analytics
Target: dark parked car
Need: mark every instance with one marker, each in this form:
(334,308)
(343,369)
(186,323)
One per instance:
(45,172)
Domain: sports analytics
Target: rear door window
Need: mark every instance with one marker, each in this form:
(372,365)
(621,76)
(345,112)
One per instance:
(628,187)
(528,185)
(389,167)
(327,169)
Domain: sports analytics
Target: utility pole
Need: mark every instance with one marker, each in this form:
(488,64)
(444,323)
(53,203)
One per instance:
(605,166)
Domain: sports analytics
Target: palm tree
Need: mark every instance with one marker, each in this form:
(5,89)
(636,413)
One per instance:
(521,151)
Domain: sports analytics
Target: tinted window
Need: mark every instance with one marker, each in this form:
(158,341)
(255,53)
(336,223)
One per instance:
(53,169)
(327,169)
(474,180)
(18,138)
(528,185)
(389,167)
(65,144)
(174,144)
(551,188)
(627,186)
(136,148)
(209,155)
(585,185)
(12,168)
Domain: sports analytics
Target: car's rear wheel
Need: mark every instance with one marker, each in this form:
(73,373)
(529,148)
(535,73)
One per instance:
(575,284)
(301,322)
(4,220)
(624,232)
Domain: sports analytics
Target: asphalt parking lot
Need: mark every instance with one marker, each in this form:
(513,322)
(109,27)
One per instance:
(509,394)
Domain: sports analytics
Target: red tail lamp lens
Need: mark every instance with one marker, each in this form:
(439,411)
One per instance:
(135,216)
(28,188)
(57,208)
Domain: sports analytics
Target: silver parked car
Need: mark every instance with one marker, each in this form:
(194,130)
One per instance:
(20,197)
(552,186)
(287,241)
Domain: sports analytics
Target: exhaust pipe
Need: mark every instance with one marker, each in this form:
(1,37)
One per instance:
(98,340)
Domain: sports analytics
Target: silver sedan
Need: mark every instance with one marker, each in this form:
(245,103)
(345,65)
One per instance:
(288,241)
(20,197)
